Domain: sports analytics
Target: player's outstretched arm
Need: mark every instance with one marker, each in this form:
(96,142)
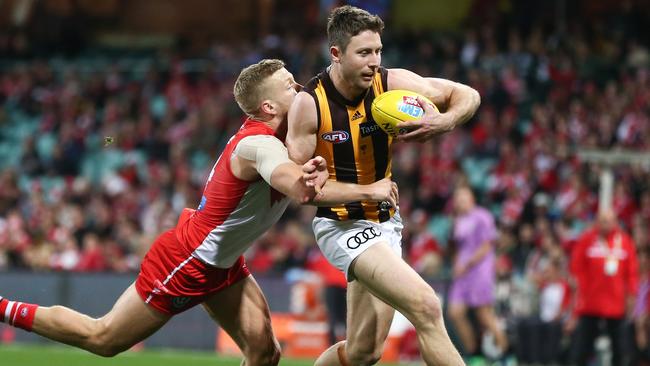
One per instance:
(458,101)
(266,156)
(309,185)
(334,192)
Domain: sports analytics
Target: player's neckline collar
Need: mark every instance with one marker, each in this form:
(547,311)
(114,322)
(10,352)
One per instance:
(251,121)
(333,93)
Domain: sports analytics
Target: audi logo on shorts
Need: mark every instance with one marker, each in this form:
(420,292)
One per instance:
(362,237)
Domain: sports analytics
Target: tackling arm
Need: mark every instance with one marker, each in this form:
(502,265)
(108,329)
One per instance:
(267,157)
(289,179)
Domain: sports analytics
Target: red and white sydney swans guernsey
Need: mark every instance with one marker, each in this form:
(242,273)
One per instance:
(202,255)
(233,212)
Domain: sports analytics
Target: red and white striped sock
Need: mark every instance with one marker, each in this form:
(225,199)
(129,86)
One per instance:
(18,314)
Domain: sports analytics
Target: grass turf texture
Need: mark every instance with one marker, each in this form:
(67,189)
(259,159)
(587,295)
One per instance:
(54,355)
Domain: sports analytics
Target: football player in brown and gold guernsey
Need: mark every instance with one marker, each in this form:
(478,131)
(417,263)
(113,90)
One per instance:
(332,118)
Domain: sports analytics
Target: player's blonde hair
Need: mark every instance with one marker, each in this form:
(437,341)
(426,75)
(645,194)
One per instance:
(249,86)
(347,21)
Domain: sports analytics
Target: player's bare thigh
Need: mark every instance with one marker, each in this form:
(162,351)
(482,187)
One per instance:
(131,319)
(368,320)
(383,282)
(392,280)
(242,311)
(388,276)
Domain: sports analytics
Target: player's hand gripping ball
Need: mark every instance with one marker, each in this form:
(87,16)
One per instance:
(395,106)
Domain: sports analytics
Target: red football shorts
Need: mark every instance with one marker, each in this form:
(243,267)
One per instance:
(172,281)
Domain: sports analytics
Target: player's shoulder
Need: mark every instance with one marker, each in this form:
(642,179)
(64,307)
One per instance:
(248,130)
(625,236)
(588,234)
(313,83)
(258,140)
(483,213)
(303,99)
(409,80)
(395,76)
(303,109)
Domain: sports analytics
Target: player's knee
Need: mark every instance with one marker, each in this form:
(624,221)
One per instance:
(102,343)
(365,359)
(94,335)
(269,355)
(108,351)
(108,348)
(425,307)
(364,355)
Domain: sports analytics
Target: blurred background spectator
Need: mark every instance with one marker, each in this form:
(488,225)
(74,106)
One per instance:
(606,271)
(638,330)
(474,273)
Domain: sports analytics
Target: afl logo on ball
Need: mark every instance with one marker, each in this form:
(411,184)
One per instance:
(336,137)
(362,237)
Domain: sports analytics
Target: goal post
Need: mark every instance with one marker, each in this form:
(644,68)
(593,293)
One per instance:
(608,159)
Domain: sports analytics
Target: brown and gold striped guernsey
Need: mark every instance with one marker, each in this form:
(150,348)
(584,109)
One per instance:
(356,149)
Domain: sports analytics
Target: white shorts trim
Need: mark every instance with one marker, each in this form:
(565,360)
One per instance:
(343,241)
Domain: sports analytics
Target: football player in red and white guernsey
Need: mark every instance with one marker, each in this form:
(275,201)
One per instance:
(200,260)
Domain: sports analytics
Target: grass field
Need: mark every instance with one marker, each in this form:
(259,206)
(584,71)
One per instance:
(34,355)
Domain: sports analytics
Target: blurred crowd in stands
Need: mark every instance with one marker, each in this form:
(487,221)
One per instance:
(98,154)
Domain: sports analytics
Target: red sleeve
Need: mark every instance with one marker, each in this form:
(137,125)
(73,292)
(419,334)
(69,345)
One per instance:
(578,256)
(578,267)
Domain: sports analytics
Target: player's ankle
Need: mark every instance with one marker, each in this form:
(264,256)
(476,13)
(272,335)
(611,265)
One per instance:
(3,306)
(18,314)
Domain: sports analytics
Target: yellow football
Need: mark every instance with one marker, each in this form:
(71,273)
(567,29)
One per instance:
(395,106)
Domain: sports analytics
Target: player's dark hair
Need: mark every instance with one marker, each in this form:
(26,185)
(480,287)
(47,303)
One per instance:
(249,84)
(347,21)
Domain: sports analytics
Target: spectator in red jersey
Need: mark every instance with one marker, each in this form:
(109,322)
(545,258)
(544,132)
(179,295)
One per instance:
(334,294)
(605,268)
(423,250)
(92,258)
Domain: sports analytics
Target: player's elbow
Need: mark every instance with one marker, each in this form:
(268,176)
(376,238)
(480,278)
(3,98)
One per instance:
(297,157)
(472,100)
(294,152)
(475,97)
